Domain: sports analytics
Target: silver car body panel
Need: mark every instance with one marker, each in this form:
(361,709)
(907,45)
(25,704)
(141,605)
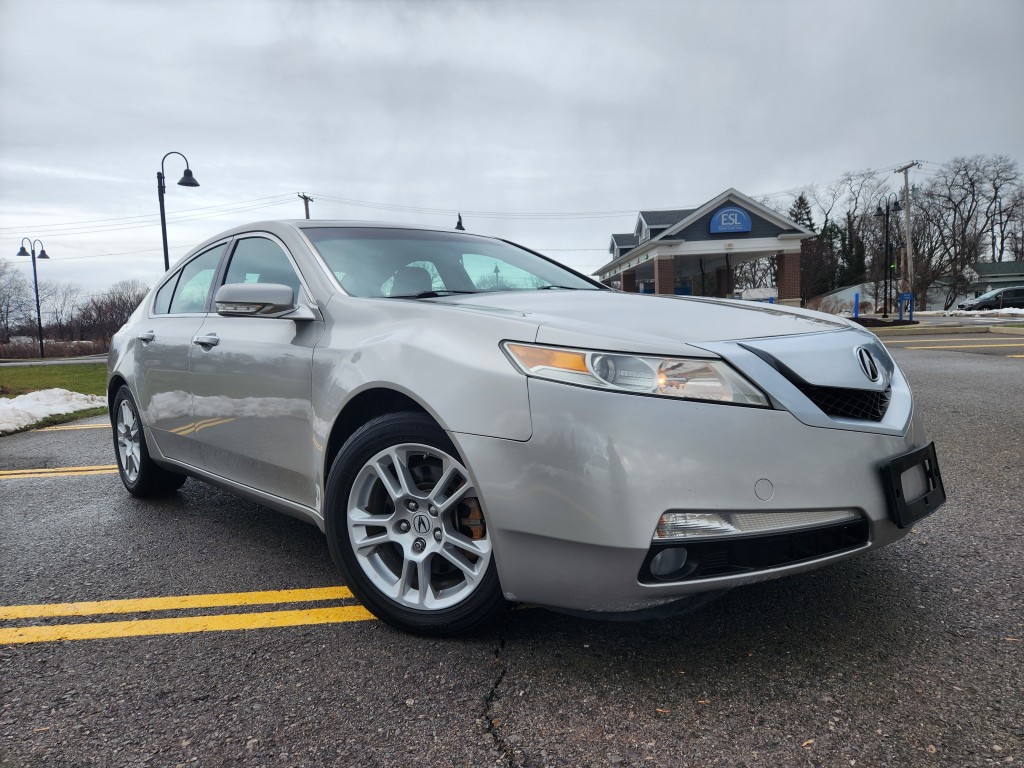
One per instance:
(589,494)
(573,480)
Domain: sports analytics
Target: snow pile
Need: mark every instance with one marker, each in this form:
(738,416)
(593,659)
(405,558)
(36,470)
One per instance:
(1007,312)
(20,411)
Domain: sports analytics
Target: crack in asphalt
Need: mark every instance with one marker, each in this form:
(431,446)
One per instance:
(492,723)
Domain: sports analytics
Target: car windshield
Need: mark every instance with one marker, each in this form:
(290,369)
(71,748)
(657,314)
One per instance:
(404,263)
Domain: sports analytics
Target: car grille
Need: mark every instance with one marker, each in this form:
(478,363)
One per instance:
(843,403)
(836,402)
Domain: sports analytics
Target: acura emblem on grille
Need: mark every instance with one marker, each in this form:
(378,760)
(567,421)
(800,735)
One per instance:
(867,363)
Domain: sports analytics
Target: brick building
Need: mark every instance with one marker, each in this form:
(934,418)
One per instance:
(677,251)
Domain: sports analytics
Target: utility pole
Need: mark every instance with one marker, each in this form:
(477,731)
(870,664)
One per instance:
(908,271)
(306,200)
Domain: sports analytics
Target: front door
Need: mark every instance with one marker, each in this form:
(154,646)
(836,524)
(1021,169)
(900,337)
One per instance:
(251,385)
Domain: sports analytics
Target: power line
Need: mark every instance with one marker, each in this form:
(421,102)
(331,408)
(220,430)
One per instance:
(148,215)
(142,225)
(477,214)
(99,226)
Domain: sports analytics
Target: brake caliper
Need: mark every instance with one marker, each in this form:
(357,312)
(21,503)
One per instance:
(471,519)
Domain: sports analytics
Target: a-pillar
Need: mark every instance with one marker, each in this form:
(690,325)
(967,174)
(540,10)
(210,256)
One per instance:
(628,281)
(789,275)
(665,276)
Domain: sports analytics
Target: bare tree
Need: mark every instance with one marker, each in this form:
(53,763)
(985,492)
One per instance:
(15,299)
(759,273)
(60,301)
(101,317)
(960,207)
(1006,206)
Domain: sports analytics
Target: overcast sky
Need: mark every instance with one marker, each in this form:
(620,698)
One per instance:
(484,107)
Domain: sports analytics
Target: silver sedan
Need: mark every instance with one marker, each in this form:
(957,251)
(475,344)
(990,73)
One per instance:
(472,424)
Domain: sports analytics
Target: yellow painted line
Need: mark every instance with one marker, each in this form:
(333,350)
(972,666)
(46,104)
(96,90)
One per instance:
(971,346)
(73,427)
(143,604)
(1015,355)
(25,474)
(221,623)
(986,340)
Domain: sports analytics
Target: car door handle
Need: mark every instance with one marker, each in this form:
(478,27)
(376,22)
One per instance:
(146,337)
(207,341)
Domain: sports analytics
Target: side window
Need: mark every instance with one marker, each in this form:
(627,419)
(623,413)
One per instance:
(194,283)
(259,260)
(162,300)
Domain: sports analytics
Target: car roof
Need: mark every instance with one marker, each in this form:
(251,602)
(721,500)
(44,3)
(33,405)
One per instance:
(301,224)
(274,226)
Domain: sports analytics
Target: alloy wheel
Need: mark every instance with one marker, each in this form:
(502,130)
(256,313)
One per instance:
(129,442)
(417,528)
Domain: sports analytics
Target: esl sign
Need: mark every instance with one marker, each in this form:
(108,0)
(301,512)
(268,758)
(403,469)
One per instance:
(730,220)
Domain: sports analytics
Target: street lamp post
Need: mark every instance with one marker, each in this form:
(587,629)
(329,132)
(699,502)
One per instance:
(188,180)
(35,282)
(884,213)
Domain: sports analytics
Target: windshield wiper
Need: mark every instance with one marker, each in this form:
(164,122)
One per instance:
(429,294)
(557,287)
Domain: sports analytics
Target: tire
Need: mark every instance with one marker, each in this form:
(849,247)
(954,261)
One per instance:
(406,529)
(140,474)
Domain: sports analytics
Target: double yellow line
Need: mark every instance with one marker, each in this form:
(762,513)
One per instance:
(182,624)
(25,474)
(72,427)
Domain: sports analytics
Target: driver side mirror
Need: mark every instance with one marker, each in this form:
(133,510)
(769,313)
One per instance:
(259,300)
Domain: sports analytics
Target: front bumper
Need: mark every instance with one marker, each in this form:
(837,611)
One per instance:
(573,510)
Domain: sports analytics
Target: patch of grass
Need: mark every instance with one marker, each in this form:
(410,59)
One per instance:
(60,418)
(89,379)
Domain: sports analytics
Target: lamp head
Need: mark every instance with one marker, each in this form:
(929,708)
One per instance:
(22,251)
(878,211)
(188,180)
(42,254)
(896,206)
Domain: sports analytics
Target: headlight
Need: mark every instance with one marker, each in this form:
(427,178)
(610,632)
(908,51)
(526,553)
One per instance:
(687,378)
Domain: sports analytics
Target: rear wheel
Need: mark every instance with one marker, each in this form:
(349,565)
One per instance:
(139,473)
(406,528)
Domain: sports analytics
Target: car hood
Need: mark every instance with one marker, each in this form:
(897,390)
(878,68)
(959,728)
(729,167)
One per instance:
(639,323)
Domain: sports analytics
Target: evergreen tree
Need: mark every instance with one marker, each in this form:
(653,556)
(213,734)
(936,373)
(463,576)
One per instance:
(800,212)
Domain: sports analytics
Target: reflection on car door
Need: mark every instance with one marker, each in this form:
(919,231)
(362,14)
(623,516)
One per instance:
(162,353)
(251,382)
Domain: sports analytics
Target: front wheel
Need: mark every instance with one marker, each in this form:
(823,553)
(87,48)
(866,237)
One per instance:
(139,473)
(406,528)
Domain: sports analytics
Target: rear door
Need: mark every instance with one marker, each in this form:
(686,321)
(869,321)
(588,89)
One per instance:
(1014,297)
(163,348)
(252,380)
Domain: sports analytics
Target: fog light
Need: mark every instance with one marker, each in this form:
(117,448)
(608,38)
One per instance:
(668,561)
(704,525)
(681,525)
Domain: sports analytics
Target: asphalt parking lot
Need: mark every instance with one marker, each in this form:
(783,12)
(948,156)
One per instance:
(908,656)
(998,344)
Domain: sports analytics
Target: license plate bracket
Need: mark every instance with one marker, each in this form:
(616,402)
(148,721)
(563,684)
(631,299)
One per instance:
(905,512)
